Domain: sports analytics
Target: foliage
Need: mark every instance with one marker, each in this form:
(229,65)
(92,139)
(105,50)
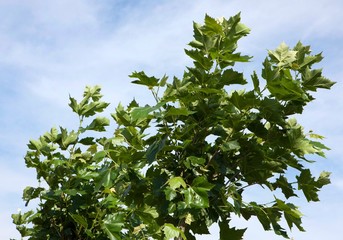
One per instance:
(173,169)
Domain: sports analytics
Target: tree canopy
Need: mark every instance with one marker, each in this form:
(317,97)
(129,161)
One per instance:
(174,168)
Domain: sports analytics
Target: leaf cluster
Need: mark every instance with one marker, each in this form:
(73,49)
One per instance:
(172,169)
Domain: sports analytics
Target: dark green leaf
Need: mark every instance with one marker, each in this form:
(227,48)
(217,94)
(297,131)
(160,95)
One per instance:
(230,76)
(230,233)
(256,83)
(201,61)
(80,220)
(230,146)
(310,186)
(312,79)
(87,141)
(104,181)
(194,161)
(154,149)
(30,193)
(285,186)
(201,183)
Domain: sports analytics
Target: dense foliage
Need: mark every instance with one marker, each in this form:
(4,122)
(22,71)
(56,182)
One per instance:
(172,169)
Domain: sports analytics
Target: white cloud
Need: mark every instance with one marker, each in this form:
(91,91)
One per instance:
(51,49)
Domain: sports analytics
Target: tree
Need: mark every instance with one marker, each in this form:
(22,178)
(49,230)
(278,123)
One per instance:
(172,169)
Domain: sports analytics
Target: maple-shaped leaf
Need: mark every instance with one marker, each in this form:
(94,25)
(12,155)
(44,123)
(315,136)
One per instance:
(282,55)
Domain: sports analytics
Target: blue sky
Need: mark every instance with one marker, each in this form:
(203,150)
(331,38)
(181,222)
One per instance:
(50,49)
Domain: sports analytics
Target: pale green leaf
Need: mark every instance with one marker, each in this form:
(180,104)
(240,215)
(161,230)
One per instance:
(176,182)
(170,231)
(282,55)
(113,224)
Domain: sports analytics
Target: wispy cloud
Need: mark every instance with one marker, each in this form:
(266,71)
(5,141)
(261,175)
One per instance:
(51,49)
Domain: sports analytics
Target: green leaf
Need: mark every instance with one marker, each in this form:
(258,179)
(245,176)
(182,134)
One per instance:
(176,182)
(163,81)
(230,76)
(170,193)
(323,179)
(212,26)
(92,108)
(196,197)
(143,79)
(80,220)
(151,211)
(87,141)
(104,181)
(30,193)
(312,79)
(68,139)
(256,83)
(99,156)
(272,110)
(92,92)
(132,104)
(201,183)
(154,149)
(133,137)
(139,114)
(193,161)
(261,215)
(230,146)
(121,116)
(189,219)
(201,61)
(35,145)
(285,186)
(291,213)
(283,87)
(173,111)
(98,124)
(304,146)
(52,136)
(113,224)
(230,233)
(283,56)
(74,105)
(170,231)
(20,218)
(310,186)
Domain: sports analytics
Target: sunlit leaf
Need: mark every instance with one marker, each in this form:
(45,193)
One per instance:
(176,182)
